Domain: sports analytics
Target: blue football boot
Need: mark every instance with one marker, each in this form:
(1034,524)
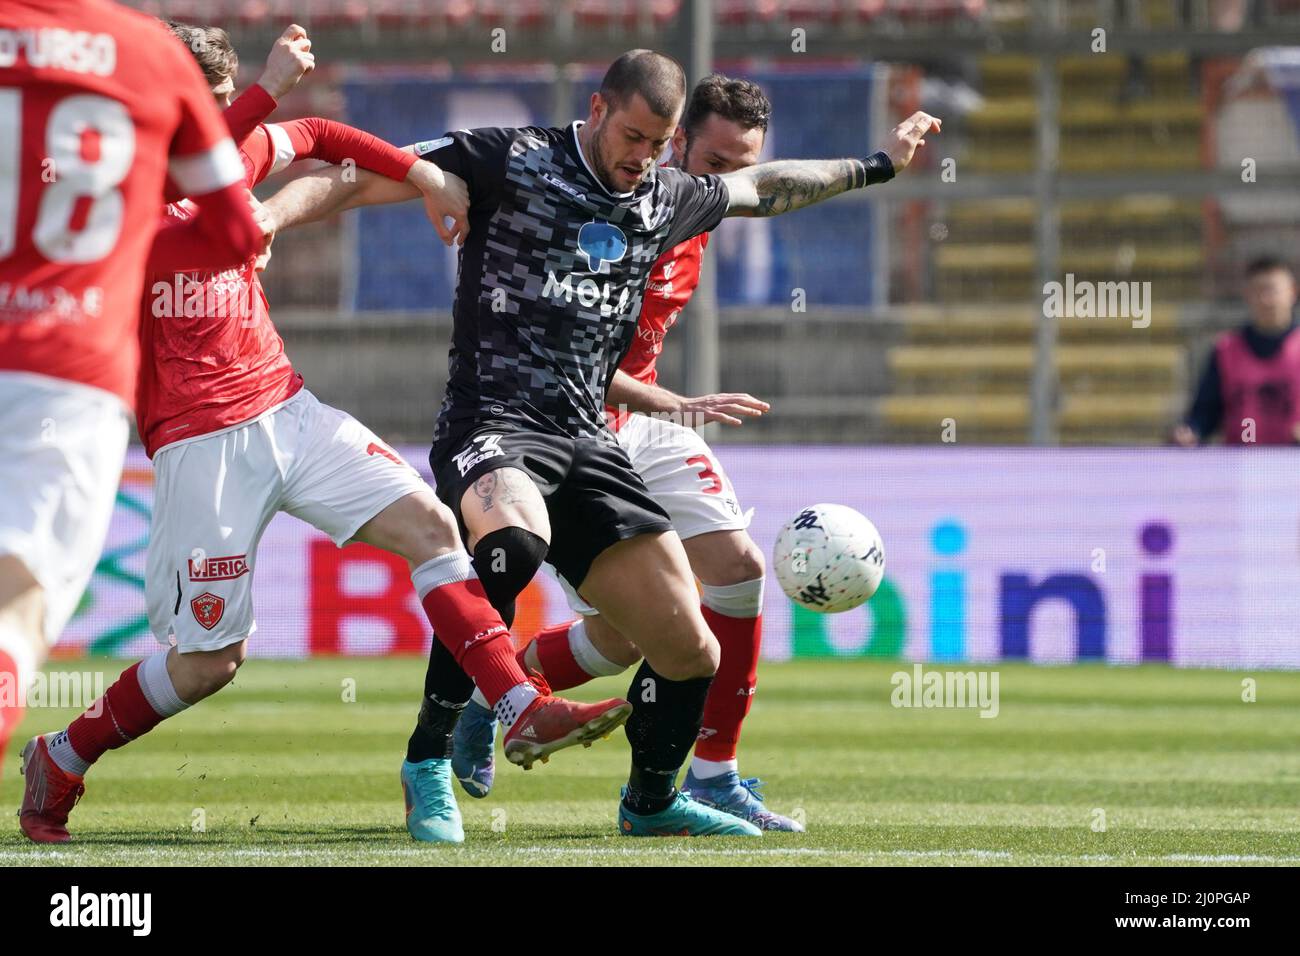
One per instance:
(684,817)
(741,798)
(472,757)
(431,812)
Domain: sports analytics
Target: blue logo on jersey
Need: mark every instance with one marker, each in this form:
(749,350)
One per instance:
(602,244)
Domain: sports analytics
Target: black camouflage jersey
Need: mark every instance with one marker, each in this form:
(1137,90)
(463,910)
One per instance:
(551,277)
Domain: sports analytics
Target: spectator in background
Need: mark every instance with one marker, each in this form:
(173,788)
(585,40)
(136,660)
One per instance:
(1251,384)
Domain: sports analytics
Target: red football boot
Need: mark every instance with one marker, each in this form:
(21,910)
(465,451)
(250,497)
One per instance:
(553,723)
(49,795)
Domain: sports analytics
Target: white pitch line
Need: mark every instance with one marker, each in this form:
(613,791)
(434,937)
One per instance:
(660,850)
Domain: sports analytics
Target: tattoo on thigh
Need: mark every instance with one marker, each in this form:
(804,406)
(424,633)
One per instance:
(511,487)
(504,487)
(485,487)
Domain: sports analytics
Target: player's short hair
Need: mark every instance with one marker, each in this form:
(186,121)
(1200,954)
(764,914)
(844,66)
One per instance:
(740,101)
(211,47)
(1267,263)
(658,78)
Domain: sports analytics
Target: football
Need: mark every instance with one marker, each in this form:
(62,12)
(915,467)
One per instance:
(829,558)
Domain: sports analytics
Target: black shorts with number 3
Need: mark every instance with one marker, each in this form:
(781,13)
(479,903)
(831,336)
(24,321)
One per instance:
(593,495)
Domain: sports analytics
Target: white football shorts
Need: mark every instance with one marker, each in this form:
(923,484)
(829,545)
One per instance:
(216,493)
(62,445)
(683,476)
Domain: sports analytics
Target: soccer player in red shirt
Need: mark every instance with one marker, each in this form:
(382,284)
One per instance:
(235,438)
(722,130)
(99,106)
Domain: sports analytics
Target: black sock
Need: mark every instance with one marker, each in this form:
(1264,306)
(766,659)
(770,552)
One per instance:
(666,717)
(433,729)
(505,561)
(447,689)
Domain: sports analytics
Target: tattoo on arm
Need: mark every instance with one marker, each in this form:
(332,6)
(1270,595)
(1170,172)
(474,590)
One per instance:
(770,189)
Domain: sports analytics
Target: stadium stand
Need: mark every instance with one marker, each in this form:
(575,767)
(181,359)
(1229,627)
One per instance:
(932,304)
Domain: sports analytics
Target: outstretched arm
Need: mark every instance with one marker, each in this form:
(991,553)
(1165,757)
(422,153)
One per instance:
(770,189)
(635,396)
(322,193)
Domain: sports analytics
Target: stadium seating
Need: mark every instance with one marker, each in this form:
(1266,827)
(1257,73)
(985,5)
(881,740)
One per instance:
(1110,391)
(539,14)
(975,365)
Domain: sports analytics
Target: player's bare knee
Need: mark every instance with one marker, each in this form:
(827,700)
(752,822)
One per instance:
(701,662)
(624,654)
(427,541)
(439,527)
(417,528)
(735,559)
(611,644)
(744,565)
(695,654)
(202,673)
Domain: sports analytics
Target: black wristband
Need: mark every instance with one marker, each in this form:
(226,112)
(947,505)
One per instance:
(876,168)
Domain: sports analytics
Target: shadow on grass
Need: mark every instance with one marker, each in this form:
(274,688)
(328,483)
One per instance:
(282,837)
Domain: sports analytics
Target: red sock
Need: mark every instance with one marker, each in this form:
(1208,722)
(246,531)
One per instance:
(11,708)
(116,719)
(733,687)
(467,625)
(560,668)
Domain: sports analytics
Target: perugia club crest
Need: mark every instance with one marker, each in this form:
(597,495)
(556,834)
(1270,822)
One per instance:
(207,608)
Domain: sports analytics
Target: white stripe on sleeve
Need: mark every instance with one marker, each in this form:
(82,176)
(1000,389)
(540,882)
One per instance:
(209,171)
(283,147)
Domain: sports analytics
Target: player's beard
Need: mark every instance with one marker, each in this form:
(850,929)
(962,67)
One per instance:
(598,162)
(604,169)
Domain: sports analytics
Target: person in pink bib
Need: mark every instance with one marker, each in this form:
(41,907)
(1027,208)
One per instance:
(1250,390)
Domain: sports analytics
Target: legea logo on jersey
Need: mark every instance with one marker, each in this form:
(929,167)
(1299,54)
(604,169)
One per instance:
(480,448)
(600,243)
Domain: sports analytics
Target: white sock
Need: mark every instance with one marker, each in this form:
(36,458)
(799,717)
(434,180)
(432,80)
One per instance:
(514,702)
(585,653)
(158,689)
(450,568)
(704,769)
(157,686)
(741,600)
(61,752)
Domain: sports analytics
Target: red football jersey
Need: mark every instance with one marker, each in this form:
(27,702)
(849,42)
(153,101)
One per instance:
(98,106)
(671,285)
(210,356)
(212,359)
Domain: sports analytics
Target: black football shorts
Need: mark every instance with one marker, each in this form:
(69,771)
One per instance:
(593,495)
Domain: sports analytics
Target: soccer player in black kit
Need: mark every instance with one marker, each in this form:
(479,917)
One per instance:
(560,228)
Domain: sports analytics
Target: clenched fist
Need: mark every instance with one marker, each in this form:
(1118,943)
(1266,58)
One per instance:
(289,61)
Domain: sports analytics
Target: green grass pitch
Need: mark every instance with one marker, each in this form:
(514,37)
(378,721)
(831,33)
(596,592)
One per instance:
(282,770)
